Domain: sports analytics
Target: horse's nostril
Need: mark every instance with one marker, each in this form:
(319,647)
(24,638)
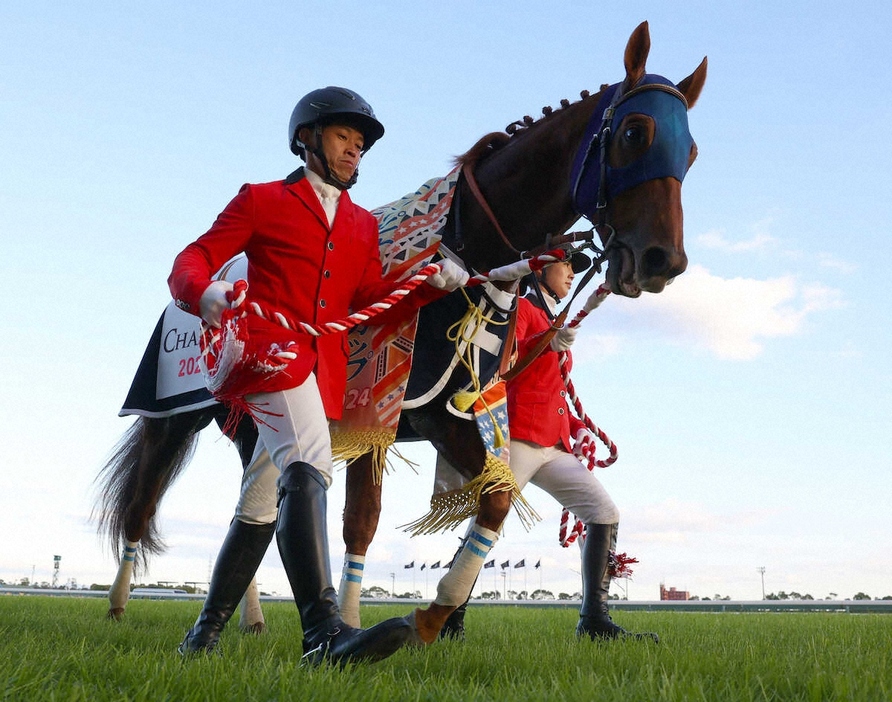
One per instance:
(654,262)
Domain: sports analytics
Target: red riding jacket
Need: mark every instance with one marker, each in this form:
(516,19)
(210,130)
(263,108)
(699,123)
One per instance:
(537,398)
(297,265)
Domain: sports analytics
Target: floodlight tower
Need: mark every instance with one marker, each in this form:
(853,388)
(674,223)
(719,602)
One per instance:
(56,561)
(761,570)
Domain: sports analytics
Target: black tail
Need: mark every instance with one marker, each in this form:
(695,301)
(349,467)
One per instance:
(144,464)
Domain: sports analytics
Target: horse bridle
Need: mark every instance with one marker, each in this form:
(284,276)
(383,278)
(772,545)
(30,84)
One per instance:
(667,156)
(597,141)
(560,241)
(670,159)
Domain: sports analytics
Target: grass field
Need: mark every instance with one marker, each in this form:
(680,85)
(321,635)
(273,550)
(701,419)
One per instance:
(64,649)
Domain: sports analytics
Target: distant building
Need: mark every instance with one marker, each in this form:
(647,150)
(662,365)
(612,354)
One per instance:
(673,594)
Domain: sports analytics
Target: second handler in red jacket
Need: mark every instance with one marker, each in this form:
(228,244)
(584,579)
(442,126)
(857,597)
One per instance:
(541,426)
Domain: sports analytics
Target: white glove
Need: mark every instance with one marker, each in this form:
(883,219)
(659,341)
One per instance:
(564,338)
(594,300)
(451,276)
(214,300)
(584,446)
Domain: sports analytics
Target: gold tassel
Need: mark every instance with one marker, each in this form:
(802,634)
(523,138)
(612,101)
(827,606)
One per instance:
(499,438)
(449,509)
(349,446)
(463,401)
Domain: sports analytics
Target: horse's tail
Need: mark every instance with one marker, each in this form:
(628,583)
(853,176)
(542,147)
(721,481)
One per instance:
(146,461)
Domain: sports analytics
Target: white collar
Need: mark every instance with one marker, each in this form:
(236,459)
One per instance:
(324,190)
(549,300)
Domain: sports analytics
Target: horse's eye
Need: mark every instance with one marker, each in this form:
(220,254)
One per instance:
(634,136)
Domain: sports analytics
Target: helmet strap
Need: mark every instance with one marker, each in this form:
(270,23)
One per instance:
(327,175)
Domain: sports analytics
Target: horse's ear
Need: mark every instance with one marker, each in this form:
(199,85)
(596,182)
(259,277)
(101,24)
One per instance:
(693,84)
(636,55)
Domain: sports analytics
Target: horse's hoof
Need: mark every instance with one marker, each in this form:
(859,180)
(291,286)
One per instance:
(255,628)
(116,613)
(454,628)
(414,640)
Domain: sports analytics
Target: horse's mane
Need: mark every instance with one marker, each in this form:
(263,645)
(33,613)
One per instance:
(494,141)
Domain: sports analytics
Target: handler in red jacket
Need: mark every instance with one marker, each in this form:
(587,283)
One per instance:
(313,256)
(541,425)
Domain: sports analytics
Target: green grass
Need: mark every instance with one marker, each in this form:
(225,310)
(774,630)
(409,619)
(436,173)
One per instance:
(64,649)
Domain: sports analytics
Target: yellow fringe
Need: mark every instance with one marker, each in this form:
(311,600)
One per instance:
(449,509)
(348,446)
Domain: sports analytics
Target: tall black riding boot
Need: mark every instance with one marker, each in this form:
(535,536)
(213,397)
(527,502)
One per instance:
(237,562)
(303,544)
(594,617)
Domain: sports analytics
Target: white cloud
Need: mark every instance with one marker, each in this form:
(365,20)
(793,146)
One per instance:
(761,240)
(717,239)
(830,261)
(732,317)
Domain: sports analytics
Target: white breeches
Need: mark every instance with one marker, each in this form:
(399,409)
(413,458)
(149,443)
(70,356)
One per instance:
(565,478)
(296,429)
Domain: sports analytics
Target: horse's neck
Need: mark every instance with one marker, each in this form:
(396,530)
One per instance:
(527,185)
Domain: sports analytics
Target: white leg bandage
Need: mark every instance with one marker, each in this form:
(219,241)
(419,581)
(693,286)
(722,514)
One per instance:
(119,592)
(455,587)
(350,589)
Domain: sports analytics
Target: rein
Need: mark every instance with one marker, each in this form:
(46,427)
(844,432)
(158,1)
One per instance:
(551,242)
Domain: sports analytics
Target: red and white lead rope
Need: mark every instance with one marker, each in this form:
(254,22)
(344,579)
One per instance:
(585,447)
(222,348)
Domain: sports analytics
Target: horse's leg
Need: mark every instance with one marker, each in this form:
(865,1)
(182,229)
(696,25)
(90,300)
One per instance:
(455,587)
(146,461)
(361,511)
(459,442)
(119,592)
(251,620)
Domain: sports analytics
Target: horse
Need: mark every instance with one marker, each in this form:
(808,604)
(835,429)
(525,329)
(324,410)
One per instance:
(604,158)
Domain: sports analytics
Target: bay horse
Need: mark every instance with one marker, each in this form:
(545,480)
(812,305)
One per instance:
(617,158)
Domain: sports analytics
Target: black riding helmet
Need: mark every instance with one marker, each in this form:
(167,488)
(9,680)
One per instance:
(333,105)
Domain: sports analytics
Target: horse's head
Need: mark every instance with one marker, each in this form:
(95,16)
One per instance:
(627,177)
(617,158)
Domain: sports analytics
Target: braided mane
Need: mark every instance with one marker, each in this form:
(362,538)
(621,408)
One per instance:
(494,141)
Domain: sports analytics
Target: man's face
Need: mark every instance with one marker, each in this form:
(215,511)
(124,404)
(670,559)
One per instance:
(342,147)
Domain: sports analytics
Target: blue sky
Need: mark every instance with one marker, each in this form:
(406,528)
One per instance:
(750,401)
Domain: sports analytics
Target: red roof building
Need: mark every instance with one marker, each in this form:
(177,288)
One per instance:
(673,594)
